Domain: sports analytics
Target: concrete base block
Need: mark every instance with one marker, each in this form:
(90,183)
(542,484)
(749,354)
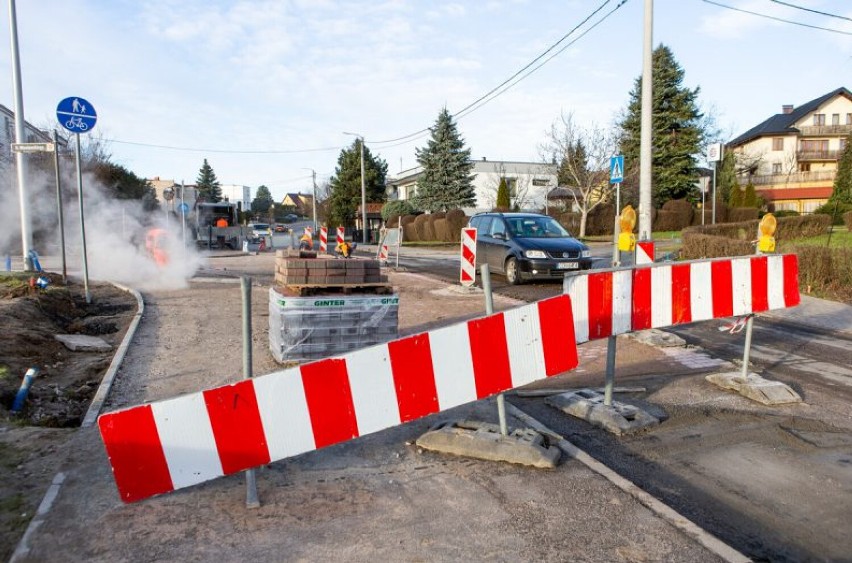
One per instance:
(658,338)
(483,440)
(755,388)
(617,418)
(83,343)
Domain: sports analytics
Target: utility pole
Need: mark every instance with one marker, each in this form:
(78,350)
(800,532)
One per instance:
(363,191)
(645,157)
(314,180)
(20,137)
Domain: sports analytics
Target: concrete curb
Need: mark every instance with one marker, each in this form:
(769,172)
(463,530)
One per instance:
(109,377)
(667,513)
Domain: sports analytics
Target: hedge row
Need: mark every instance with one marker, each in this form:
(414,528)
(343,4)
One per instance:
(735,239)
(826,270)
(433,227)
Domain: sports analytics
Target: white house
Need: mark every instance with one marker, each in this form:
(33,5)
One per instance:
(528,183)
(237,194)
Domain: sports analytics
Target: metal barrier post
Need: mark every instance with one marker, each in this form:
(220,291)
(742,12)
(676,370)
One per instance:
(610,370)
(485,272)
(245,283)
(747,348)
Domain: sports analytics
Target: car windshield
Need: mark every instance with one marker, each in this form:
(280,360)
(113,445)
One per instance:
(536,227)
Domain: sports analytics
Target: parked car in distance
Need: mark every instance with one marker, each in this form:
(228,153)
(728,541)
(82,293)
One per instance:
(527,245)
(290,217)
(259,229)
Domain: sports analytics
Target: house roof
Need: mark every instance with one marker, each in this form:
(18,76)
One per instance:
(783,123)
(774,194)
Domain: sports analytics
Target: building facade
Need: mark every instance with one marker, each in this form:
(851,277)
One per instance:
(791,158)
(528,183)
(237,194)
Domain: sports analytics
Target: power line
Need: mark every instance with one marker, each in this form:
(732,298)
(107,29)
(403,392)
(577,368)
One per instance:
(811,10)
(226,151)
(492,94)
(544,62)
(777,19)
(484,97)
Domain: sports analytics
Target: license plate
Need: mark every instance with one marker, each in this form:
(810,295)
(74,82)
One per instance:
(567,265)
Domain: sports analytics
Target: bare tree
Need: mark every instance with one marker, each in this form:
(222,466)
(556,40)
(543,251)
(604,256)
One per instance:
(582,155)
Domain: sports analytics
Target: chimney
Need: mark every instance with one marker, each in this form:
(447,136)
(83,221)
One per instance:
(483,159)
(787,108)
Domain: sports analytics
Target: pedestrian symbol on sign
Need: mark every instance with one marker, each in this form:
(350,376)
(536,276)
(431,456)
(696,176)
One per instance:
(616,169)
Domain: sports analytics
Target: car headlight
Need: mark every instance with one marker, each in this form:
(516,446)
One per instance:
(585,253)
(535,254)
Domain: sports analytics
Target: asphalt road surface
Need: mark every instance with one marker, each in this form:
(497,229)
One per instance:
(772,482)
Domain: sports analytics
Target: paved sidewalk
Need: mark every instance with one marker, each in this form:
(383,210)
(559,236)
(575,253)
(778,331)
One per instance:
(817,313)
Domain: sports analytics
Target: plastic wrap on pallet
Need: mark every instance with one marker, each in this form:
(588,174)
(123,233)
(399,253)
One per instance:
(320,326)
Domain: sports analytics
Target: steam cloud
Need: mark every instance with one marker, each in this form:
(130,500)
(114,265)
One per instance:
(115,230)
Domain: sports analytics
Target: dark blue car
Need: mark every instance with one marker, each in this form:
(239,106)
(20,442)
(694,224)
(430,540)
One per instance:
(527,245)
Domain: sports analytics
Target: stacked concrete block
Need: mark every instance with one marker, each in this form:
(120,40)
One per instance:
(293,270)
(316,327)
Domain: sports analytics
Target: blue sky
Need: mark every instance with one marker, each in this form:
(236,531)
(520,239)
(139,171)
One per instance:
(219,76)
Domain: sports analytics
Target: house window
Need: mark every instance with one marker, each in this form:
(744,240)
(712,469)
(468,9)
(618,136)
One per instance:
(512,184)
(849,119)
(776,167)
(835,119)
(778,143)
(815,145)
(804,167)
(540,182)
(819,119)
(842,145)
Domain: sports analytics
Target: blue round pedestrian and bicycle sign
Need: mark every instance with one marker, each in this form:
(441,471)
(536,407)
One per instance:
(76,114)
(184,208)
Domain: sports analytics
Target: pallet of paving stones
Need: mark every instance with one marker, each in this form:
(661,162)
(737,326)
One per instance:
(305,290)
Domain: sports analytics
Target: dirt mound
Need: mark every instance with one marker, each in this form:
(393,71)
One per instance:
(32,316)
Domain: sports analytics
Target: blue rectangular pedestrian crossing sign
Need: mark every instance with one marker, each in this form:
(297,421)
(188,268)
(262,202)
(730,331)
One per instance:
(616,169)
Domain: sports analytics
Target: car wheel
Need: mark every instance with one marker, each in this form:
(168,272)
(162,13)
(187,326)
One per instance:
(513,274)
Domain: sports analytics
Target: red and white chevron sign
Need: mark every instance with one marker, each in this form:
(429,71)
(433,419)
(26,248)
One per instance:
(468,256)
(384,252)
(610,302)
(340,235)
(167,445)
(645,252)
(323,239)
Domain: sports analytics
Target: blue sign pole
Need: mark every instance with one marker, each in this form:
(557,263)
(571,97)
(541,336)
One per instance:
(79,116)
(616,176)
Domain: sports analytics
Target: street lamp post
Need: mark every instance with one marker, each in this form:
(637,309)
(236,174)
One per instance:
(314,177)
(363,191)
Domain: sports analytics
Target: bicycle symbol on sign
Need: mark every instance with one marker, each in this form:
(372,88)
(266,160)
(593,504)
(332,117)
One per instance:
(76,123)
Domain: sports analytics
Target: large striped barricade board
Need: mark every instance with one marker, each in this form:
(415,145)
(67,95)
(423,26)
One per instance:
(616,301)
(166,445)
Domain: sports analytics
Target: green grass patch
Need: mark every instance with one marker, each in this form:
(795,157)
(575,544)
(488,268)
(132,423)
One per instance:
(839,238)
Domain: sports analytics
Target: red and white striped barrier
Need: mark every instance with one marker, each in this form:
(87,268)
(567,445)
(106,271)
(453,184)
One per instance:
(340,236)
(468,256)
(645,252)
(384,252)
(323,240)
(610,302)
(167,445)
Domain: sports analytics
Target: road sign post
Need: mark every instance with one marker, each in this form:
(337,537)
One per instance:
(616,176)
(79,116)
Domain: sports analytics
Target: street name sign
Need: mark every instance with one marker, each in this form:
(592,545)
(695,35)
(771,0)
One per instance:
(33,147)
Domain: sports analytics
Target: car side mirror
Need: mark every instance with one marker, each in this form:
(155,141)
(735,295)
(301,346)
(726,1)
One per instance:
(501,236)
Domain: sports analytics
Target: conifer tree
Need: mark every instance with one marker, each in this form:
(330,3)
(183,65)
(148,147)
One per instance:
(750,196)
(679,131)
(503,200)
(207,185)
(345,185)
(446,182)
(726,176)
(842,192)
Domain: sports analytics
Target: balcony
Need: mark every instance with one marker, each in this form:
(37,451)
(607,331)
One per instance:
(825,130)
(809,156)
(794,178)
